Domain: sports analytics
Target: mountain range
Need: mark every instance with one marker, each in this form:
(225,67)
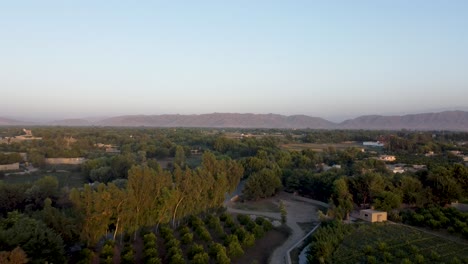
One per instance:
(447,120)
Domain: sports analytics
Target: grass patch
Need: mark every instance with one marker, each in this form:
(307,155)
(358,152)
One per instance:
(66,179)
(263,205)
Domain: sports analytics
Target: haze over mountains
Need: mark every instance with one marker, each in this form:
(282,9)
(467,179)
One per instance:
(448,120)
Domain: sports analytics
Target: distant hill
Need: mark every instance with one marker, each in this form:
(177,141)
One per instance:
(220,120)
(448,120)
(12,122)
(71,122)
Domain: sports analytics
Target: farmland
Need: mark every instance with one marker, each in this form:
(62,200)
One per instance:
(318,147)
(392,243)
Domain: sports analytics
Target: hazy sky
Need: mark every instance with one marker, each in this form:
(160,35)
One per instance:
(322,58)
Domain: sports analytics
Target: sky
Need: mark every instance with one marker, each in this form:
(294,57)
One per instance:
(332,59)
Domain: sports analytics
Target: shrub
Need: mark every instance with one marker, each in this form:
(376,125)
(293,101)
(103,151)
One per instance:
(229,222)
(107,251)
(371,260)
(388,257)
(203,233)
(201,258)
(128,258)
(223,217)
(187,238)
(234,249)
(86,256)
(240,233)
(173,242)
(194,250)
(419,259)
(267,225)
(406,261)
(153,261)
(434,256)
(368,250)
(127,255)
(150,253)
(243,219)
(222,258)
(249,240)
(258,231)
(184,230)
(177,258)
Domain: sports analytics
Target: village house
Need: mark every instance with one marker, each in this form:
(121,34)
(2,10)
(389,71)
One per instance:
(387,157)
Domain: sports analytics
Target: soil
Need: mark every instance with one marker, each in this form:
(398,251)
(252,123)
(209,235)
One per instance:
(264,247)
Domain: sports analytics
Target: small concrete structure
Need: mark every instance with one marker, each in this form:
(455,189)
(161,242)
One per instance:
(372,216)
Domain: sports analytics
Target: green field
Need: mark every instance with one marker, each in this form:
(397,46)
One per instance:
(66,179)
(318,147)
(392,243)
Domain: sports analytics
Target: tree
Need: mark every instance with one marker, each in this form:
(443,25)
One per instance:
(283,212)
(179,157)
(444,186)
(342,199)
(39,242)
(413,192)
(16,256)
(262,184)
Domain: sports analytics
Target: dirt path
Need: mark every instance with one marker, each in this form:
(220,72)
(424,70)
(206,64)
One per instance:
(298,212)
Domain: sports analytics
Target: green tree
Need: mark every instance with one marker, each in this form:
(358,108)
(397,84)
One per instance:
(262,184)
(283,212)
(179,157)
(39,242)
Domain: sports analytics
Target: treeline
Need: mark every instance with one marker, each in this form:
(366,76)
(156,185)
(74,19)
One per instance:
(435,217)
(152,197)
(44,221)
(10,158)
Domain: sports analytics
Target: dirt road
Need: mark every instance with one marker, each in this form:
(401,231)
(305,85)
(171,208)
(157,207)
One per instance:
(298,212)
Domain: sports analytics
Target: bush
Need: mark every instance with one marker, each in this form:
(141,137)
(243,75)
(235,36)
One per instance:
(187,238)
(173,242)
(107,251)
(127,255)
(177,258)
(258,231)
(194,250)
(184,230)
(368,250)
(223,217)
(371,260)
(203,233)
(222,258)
(234,249)
(434,256)
(166,232)
(150,253)
(201,258)
(86,256)
(406,261)
(388,257)
(229,222)
(243,219)
(419,259)
(128,258)
(249,240)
